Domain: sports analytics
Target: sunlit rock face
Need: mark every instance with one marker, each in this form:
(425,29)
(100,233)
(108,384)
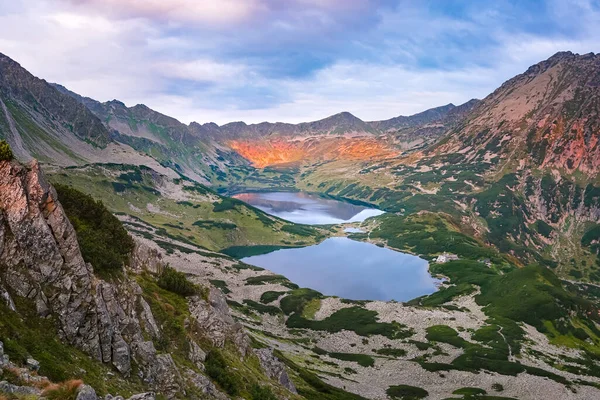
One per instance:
(262,153)
(547,117)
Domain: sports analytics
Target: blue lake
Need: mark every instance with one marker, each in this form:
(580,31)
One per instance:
(353,270)
(305,208)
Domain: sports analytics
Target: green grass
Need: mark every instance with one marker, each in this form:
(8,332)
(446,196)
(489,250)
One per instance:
(362,359)
(362,322)
(261,308)
(193,220)
(25,334)
(264,279)
(296,300)
(406,392)
(222,285)
(270,296)
(311,387)
(391,352)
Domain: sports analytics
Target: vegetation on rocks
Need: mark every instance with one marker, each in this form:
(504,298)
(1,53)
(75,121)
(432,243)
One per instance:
(6,153)
(176,282)
(406,392)
(103,241)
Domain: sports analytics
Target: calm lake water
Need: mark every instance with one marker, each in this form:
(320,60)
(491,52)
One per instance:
(353,270)
(304,208)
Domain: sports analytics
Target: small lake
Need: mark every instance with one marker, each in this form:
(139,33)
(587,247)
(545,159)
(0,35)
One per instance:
(353,270)
(304,208)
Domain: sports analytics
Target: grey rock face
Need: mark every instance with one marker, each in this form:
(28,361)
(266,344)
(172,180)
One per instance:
(146,258)
(4,295)
(147,319)
(214,319)
(86,392)
(204,384)
(274,368)
(40,259)
(8,388)
(3,357)
(32,364)
(196,355)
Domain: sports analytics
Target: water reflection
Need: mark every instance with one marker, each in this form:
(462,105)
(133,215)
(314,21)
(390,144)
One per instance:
(304,208)
(353,270)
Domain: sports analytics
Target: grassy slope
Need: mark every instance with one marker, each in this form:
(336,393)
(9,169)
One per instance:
(203,218)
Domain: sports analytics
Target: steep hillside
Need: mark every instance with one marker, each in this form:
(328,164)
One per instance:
(545,117)
(143,326)
(171,143)
(39,121)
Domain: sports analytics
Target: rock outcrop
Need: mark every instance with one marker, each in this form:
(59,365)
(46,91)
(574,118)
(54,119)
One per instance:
(274,368)
(40,259)
(213,318)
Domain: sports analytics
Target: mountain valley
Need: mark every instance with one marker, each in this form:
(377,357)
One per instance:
(509,185)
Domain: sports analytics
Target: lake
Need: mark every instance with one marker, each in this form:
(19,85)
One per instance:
(353,270)
(304,208)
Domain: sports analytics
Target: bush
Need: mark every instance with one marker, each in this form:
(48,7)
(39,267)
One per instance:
(392,352)
(270,296)
(297,299)
(176,282)
(406,392)
(103,240)
(362,322)
(6,153)
(470,391)
(258,392)
(217,369)
(362,359)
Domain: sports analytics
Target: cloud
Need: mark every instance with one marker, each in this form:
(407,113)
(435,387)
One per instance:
(201,70)
(295,60)
(212,12)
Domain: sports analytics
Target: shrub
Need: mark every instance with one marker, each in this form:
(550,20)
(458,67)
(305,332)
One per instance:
(362,322)
(6,153)
(406,392)
(217,369)
(261,308)
(470,391)
(63,391)
(297,299)
(392,352)
(362,359)
(103,240)
(176,282)
(497,387)
(258,392)
(270,296)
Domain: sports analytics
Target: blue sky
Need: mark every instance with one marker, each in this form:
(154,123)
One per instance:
(290,60)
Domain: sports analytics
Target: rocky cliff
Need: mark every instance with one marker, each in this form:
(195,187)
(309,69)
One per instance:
(111,321)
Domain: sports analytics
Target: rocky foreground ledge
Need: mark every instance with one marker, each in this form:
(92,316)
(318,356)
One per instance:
(113,321)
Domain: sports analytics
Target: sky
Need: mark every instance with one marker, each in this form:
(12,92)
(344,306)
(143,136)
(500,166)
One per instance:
(290,60)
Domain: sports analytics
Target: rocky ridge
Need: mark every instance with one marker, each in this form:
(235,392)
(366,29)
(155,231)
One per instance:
(40,260)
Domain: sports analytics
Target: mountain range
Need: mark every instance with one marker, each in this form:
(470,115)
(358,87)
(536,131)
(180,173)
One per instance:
(510,184)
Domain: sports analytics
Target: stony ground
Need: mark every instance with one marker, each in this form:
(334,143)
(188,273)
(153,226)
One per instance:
(371,382)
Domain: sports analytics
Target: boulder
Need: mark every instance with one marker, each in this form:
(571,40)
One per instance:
(274,368)
(213,317)
(86,392)
(196,355)
(32,364)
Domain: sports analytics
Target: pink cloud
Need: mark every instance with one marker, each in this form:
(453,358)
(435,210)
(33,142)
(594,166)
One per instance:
(208,12)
